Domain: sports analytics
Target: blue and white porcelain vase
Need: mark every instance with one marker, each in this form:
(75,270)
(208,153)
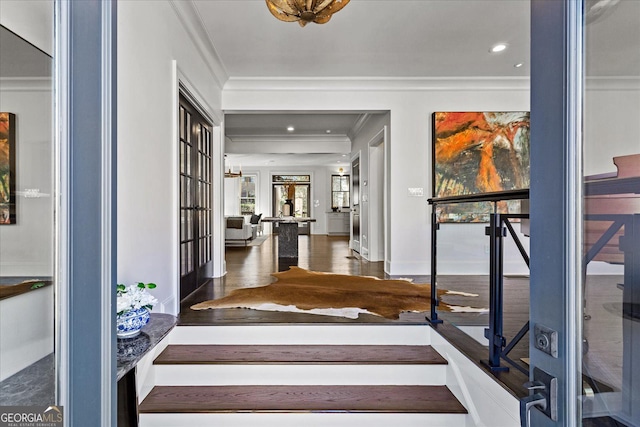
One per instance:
(130,322)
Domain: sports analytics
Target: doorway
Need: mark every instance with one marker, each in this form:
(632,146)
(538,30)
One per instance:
(355,207)
(195,198)
(377,194)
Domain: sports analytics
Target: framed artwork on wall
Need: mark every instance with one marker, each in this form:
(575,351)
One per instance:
(476,153)
(7,168)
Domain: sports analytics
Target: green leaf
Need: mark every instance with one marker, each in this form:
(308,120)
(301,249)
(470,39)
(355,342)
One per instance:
(120,288)
(141,285)
(151,285)
(37,285)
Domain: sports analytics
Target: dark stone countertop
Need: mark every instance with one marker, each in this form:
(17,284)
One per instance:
(35,385)
(131,350)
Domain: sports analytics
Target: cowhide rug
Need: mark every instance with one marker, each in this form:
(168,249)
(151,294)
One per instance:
(313,292)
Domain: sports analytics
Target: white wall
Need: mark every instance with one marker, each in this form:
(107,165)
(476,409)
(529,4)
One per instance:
(462,247)
(231,196)
(151,36)
(411,103)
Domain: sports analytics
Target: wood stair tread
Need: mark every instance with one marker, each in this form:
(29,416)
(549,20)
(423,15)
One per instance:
(373,399)
(299,354)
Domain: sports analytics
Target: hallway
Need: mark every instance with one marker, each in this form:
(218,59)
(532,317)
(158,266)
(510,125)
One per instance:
(252,266)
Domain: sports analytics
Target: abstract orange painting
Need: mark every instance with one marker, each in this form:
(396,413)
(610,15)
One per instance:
(476,153)
(7,168)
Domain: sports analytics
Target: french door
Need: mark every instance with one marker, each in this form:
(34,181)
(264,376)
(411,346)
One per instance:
(195,198)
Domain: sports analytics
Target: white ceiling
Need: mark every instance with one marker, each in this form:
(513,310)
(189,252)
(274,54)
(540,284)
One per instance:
(388,38)
(381,38)
(391,38)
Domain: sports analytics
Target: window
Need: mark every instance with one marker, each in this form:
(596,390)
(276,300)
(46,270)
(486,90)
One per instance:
(248,194)
(339,191)
(294,187)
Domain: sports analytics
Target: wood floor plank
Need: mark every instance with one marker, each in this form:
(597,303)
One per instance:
(215,399)
(299,354)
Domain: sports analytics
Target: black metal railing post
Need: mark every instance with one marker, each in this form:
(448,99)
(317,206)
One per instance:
(496,233)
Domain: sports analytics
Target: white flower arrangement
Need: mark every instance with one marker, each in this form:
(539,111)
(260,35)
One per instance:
(134,297)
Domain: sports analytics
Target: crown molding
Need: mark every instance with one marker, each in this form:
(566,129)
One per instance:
(191,20)
(362,120)
(286,144)
(395,84)
(623,83)
(26,84)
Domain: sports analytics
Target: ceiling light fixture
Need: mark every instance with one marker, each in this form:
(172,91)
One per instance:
(518,65)
(498,48)
(328,131)
(229,173)
(290,128)
(305,11)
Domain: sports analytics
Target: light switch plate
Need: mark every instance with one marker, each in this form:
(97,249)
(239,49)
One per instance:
(416,192)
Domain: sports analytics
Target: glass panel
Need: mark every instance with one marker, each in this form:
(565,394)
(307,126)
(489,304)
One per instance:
(301,201)
(335,182)
(290,178)
(181,119)
(345,183)
(340,191)
(27,200)
(611,326)
(188,158)
(182,157)
(183,266)
(188,128)
(183,220)
(187,190)
(248,194)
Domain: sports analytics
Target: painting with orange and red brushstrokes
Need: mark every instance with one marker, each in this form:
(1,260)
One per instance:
(475,153)
(7,168)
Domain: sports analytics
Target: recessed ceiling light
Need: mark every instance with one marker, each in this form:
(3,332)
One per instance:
(344,155)
(518,65)
(328,131)
(290,128)
(498,48)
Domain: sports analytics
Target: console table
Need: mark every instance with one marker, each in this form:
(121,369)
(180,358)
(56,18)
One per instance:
(130,352)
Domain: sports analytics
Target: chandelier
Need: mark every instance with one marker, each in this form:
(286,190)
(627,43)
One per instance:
(305,11)
(229,173)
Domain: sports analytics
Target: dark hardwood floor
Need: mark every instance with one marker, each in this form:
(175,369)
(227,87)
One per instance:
(252,266)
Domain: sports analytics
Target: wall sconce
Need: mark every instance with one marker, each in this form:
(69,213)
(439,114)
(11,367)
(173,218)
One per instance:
(341,171)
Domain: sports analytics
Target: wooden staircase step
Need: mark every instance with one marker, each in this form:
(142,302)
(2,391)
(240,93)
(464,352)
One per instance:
(299,354)
(357,399)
